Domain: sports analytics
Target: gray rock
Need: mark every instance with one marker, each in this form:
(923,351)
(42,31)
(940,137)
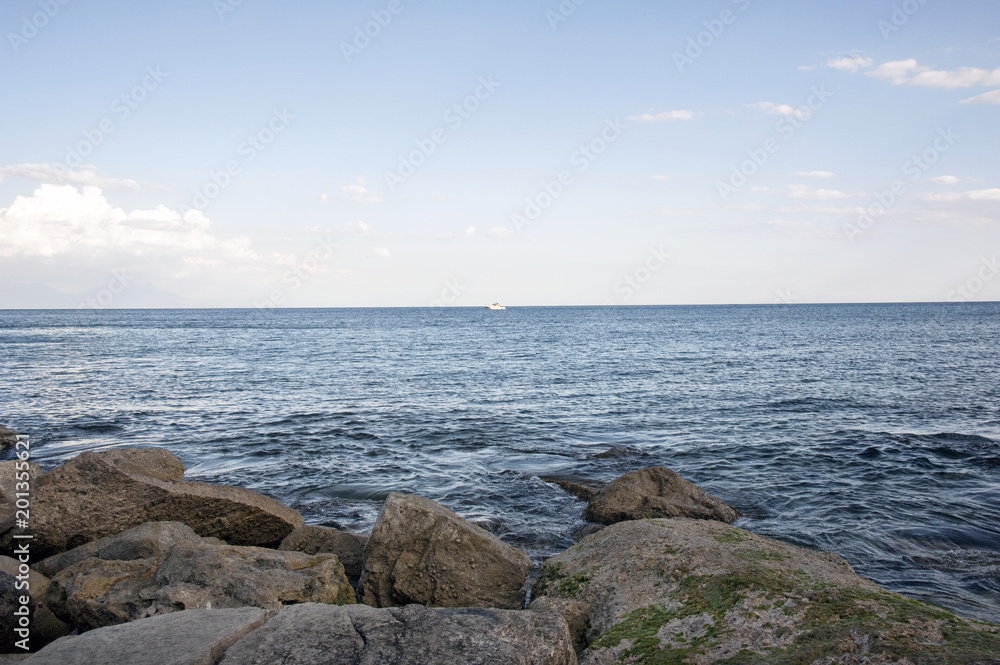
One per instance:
(102,493)
(195,637)
(10,602)
(580,491)
(421,552)
(412,635)
(8,438)
(699,591)
(13,472)
(147,541)
(45,627)
(654,492)
(349,547)
(99,592)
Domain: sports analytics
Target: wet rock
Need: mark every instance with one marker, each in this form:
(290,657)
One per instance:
(13,472)
(617,452)
(585,531)
(45,626)
(654,492)
(195,637)
(202,574)
(10,602)
(699,591)
(412,635)
(102,493)
(8,438)
(421,552)
(348,547)
(582,492)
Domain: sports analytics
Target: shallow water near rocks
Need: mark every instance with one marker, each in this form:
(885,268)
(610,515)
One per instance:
(872,431)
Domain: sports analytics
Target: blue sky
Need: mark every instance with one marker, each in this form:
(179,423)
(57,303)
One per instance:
(210,153)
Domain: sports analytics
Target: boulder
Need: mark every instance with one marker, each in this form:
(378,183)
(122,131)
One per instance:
(45,626)
(10,602)
(421,552)
(195,637)
(349,547)
(654,492)
(699,591)
(8,438)
(13,472)
(413,635)
(190,574)
(580,491)
(98,494)
(147,541)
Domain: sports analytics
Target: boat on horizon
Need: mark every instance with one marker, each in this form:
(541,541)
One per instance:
(495,306)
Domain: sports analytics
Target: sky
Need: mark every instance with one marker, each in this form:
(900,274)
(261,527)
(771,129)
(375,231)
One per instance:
(251,153)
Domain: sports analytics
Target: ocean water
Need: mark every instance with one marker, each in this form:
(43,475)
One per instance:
(872,431)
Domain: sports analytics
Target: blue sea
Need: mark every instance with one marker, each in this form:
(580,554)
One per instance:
(872,431)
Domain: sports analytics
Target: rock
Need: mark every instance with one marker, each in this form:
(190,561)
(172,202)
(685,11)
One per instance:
(10,602)
(348,547)
(147,541)
(8,438)
(413,635)
(195,637)
(45,626)
(699,591)
(421,552)
(188,575)
(10,476)
(582,492)
(654,492)
(102,493)
(586,530)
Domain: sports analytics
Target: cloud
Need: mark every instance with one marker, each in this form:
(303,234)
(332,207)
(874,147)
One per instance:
(358,227)
(803,192)
(63,221)
(814,174)
(499,232)
(359,193)
(850,63)
(779,109)
(974,195)
(470,232)
(54,174)
(945,180)
(383,252)
(991,97)
(910,72)
(666,116)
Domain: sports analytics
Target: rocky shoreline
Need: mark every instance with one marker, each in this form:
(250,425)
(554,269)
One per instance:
(130,563)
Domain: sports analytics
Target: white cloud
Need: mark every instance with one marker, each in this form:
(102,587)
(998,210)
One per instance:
(974,195)
(383,252)
(470,232)
(945,180)
(61,221)
(814,174)
(358,227)
(359,193)
(59,175)
(910,72)
(666,116)
(803,192)
(779,109)
(500,232)
(850,63)
(991,97)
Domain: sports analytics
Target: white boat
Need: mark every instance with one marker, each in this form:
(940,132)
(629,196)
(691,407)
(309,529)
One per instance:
(495,305)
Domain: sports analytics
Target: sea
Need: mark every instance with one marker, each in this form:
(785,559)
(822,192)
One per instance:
(871,431)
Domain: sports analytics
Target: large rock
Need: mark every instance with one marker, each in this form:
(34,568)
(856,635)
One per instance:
(654,492)
(8,438)
(10,602)
(421,552)
(699,591)
(191,574)
(14,472)
(411,635)
(196,637)
(349,547)
(102,493)
(45,626)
